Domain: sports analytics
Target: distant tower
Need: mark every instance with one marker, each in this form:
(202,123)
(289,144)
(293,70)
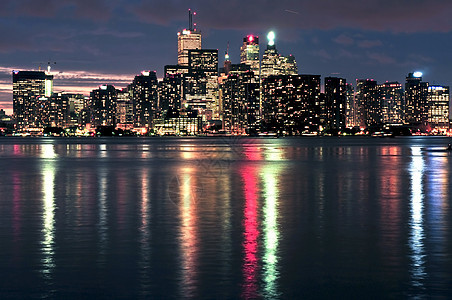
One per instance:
(187,39)
(227,61)
(416,104)
(249,53)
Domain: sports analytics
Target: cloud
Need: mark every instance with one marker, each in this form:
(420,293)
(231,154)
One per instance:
(383,15)
(381,58)
(344,40)
(369,43)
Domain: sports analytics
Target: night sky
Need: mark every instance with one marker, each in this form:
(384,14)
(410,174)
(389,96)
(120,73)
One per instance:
(109,41)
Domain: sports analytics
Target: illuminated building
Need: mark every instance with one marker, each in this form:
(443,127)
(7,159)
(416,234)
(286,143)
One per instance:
(350,111)
(368,104)
(28,88)
(187,39)
(103,104)
(175,69)
(171,92)
(182,122)
(438,107)
(240,100)
(124,109)
(275,64)
(335,102)
(77,102)
(201,83)
(249,53)
(291,104)
(391,98)
(144,90)
(416,103)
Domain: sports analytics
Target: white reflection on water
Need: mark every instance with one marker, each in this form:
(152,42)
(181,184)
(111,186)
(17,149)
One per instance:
(48,151)
(416,241)
(145,248)
(270,230)
(103,214)
(48,219)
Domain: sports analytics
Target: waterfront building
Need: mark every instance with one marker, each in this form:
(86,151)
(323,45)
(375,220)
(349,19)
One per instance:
(416,103)
(368,103)
(28,88)
(335,103)
(350,111)
(291,104)
(124,108)
(240,102)
(103,104)
(438,108)
(392,102)
(144,91)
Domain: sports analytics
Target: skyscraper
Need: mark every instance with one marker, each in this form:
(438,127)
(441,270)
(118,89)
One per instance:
(438,104)
(144,90)
(28,88)
(335,102)
(249,53)
(274,63)
(103,101)
(291,104)
(416,104)
(368,104)
(187,39)
(392,104)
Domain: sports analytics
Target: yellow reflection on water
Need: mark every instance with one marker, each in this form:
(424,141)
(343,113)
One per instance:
(48,219)
(416,241)
(103,214)
(270,178)
(273,153)
(188,230)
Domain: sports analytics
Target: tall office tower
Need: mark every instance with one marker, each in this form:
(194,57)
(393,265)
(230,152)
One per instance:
(187,39)
(335,102)
(124,108)
(416,104)
(392,104)
(201,83)
(291,104)
(438,104)
(368,104)
(103,105)
(144,90)
(240,99)
(28,87)
(249,53)
(171,93)
(350,119)
(77,102)
(275,64)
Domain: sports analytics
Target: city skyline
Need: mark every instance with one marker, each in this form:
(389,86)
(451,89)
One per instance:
(352,40)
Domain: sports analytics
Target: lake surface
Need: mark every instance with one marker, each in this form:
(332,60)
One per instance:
(225,218)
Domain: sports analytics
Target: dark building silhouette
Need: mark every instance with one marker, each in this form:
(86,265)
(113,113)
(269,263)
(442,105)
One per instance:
(103,104)
(145,98)
(335,102)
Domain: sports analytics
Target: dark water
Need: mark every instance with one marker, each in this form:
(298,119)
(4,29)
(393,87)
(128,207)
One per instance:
(225,218)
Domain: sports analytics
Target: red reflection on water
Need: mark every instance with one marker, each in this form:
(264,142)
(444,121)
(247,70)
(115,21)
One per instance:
(251,233)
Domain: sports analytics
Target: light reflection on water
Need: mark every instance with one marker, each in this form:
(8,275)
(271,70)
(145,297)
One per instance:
(213,218)
(416,224)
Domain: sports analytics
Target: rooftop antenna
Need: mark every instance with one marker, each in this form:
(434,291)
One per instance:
(190,20)
(49,65)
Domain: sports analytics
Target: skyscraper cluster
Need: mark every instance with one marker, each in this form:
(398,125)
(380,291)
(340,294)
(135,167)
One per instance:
(258,95)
